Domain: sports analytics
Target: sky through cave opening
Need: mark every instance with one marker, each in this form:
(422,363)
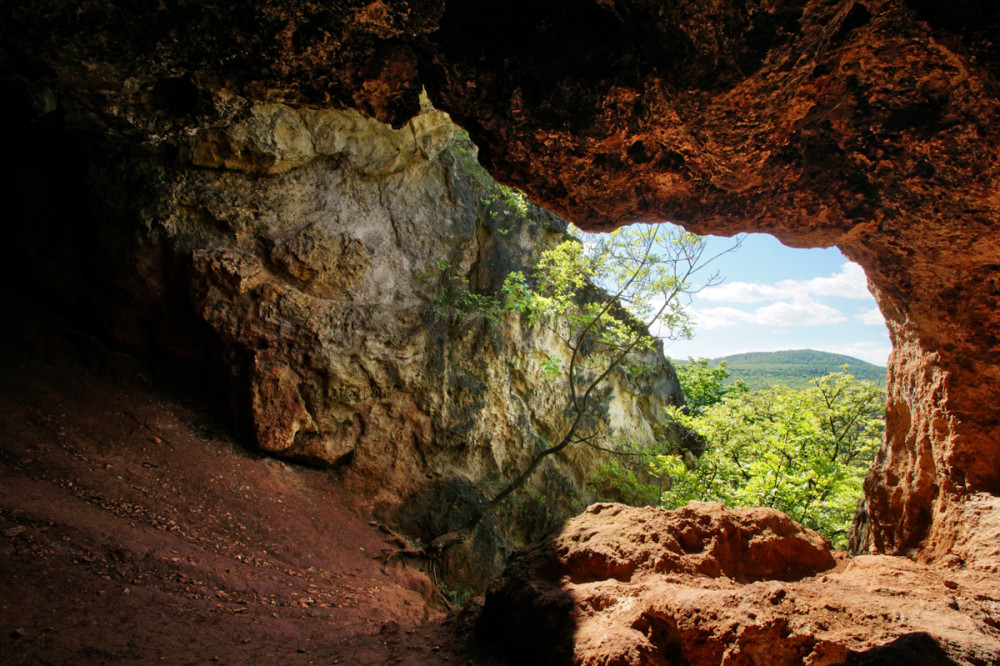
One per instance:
(802,445)
(776,298)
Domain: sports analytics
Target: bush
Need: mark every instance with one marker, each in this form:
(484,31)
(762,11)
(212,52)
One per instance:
(803,452)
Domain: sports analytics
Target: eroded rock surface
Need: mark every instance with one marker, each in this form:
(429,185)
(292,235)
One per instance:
(870,125)
(708,585)
(304,260)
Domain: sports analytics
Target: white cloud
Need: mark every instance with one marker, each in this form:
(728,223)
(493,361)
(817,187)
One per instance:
(850,282)
(802,311)
(871,317)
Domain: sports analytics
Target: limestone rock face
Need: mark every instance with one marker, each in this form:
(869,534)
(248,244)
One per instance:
(707,585)
(305,258)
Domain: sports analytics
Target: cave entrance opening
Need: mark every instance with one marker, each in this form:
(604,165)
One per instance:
(786,425)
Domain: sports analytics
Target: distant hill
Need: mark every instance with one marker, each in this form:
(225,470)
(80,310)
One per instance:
(794,368)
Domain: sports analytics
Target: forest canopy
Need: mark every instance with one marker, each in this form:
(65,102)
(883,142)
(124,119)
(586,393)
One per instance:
(805,452)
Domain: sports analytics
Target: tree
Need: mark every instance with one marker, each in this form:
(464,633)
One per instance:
(602,296)
(703,385)
(804,452)
(630,479)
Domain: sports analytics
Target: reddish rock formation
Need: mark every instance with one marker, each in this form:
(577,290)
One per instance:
(703,538)
(866,125)
(869,124)
(699,585)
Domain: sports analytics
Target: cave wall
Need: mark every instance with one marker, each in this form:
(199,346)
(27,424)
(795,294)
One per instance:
(304,265)
(869,125)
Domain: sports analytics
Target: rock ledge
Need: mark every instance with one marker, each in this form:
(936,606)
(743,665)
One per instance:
(705,584)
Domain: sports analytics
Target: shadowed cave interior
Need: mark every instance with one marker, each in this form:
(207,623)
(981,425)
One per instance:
(218,218)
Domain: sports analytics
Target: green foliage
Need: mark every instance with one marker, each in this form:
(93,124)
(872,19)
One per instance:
(601,297)
(537,496)
(617,481)
(458,597)
(704,385)
(804,452)
(552,368)
(516,292)
(499,201)
(506,200)
(643,274)
(792,368)
(454,301)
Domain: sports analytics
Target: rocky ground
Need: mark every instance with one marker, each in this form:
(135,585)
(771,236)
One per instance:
(133,530)
(709,585)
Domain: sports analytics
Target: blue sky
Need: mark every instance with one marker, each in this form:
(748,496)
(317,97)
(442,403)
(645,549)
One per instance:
(775,297)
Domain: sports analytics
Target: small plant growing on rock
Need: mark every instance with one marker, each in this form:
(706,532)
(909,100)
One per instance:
(453,300)
(500,201)
(456,598)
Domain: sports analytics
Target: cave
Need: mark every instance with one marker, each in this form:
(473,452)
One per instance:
(167,160)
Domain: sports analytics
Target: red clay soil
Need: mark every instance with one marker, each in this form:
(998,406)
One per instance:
(133,530)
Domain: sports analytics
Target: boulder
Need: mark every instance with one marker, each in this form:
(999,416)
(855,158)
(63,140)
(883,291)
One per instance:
(704,584)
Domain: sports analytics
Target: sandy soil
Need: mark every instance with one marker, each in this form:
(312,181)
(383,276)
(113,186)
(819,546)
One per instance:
(134,530)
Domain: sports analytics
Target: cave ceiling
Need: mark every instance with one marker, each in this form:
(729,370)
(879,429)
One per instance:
(870,125)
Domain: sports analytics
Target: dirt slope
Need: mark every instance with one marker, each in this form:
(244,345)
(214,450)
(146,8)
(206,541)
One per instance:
(133,530)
